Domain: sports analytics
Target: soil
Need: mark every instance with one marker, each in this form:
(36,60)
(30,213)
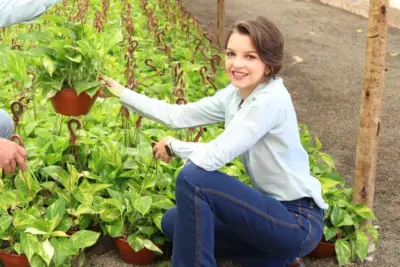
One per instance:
(326,88)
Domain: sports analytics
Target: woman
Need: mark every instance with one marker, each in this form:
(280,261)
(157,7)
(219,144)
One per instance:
(23,11)
(280,217)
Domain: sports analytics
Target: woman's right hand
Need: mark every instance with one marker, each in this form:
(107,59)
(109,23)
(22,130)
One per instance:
(113,86)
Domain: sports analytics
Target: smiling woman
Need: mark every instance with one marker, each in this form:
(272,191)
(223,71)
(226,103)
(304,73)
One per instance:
(254,54)
(280,217)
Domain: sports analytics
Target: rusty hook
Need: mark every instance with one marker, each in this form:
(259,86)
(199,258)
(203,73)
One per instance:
(211,81)
(17,139)
(148,64)
(179,92)
(139,122)
(180,101)
(209,37)
(214,62)
(71,130)
(17,109)
(199,134)
(197,42)
(131,78)
(132,47)
(203,71)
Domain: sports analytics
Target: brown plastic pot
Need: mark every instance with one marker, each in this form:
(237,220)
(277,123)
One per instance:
(128,255)
(68,102)
(13,260)
(323,250)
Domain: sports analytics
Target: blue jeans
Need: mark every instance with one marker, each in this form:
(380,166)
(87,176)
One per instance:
(217,216)
(6,125)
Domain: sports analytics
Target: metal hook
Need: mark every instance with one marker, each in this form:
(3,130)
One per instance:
(17,109)
(17,139)
(71,130)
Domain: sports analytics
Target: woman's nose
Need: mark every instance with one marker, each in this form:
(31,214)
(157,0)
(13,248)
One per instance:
(238,62)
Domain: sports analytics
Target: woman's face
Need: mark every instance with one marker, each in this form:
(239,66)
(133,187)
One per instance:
(243,64)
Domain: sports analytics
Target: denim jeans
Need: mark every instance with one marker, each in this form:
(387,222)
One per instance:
(6,125)
(217,216)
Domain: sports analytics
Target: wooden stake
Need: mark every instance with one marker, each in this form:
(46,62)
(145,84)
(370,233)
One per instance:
(374,74)
(220,23)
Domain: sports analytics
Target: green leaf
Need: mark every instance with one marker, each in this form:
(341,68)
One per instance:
(364,211)
(58,174)
(136,242)
(23,219)
(162,202)
(84,238)
(147,230)
(47,251)
(340,217)
(157,217)
(81,86)
(53,18)
(151,246)
(84,193)
(343,251)
(5,221)
(63,249)
(362,244)
(336,177)
(56,211)
(114,40)
(329,232)
(29,245)
(77,59)
(142,204)
(48,65)
(373,232)
(115,228)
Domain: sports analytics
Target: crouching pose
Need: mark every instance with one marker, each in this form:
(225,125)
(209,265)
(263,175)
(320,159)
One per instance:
(280,217)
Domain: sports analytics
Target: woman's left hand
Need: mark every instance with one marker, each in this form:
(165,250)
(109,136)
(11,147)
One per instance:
(159,149)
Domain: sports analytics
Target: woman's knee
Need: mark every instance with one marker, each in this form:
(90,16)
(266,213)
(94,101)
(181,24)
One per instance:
(190,174)
(168,223)
(6,125)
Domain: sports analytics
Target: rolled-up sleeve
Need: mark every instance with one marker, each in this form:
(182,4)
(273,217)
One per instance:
(17,11)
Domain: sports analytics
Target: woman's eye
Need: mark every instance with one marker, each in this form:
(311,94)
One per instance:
(229,54)
(251,57)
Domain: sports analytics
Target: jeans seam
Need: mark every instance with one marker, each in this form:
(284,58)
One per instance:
(245,205)
(312,217)
(196,205)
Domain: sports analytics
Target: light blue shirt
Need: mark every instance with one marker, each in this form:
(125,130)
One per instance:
(263,131)
(17,11)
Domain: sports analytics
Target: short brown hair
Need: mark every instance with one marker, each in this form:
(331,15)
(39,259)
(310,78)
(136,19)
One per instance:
(266,38)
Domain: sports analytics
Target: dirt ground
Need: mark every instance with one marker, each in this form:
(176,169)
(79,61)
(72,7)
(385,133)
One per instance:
(326,88)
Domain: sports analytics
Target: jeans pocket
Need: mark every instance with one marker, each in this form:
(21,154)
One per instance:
(313,237)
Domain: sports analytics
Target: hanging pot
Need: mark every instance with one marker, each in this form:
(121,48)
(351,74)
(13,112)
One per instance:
(323,250)
(13,260)
(128,255)
(68,102)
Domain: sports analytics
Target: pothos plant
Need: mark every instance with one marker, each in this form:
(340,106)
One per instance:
(344,220)
(35,227)
(71,55)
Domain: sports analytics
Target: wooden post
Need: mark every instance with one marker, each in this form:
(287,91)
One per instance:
(220,23)
(374,74)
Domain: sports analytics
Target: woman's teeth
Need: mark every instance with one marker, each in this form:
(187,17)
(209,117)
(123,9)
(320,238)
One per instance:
(239,74)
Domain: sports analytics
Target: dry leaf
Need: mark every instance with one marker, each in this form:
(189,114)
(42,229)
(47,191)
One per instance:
(297,59)
(393,54)
(359,30)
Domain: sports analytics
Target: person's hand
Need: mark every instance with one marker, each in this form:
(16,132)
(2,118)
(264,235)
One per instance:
(160,151)
(113,86)
(11,156)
